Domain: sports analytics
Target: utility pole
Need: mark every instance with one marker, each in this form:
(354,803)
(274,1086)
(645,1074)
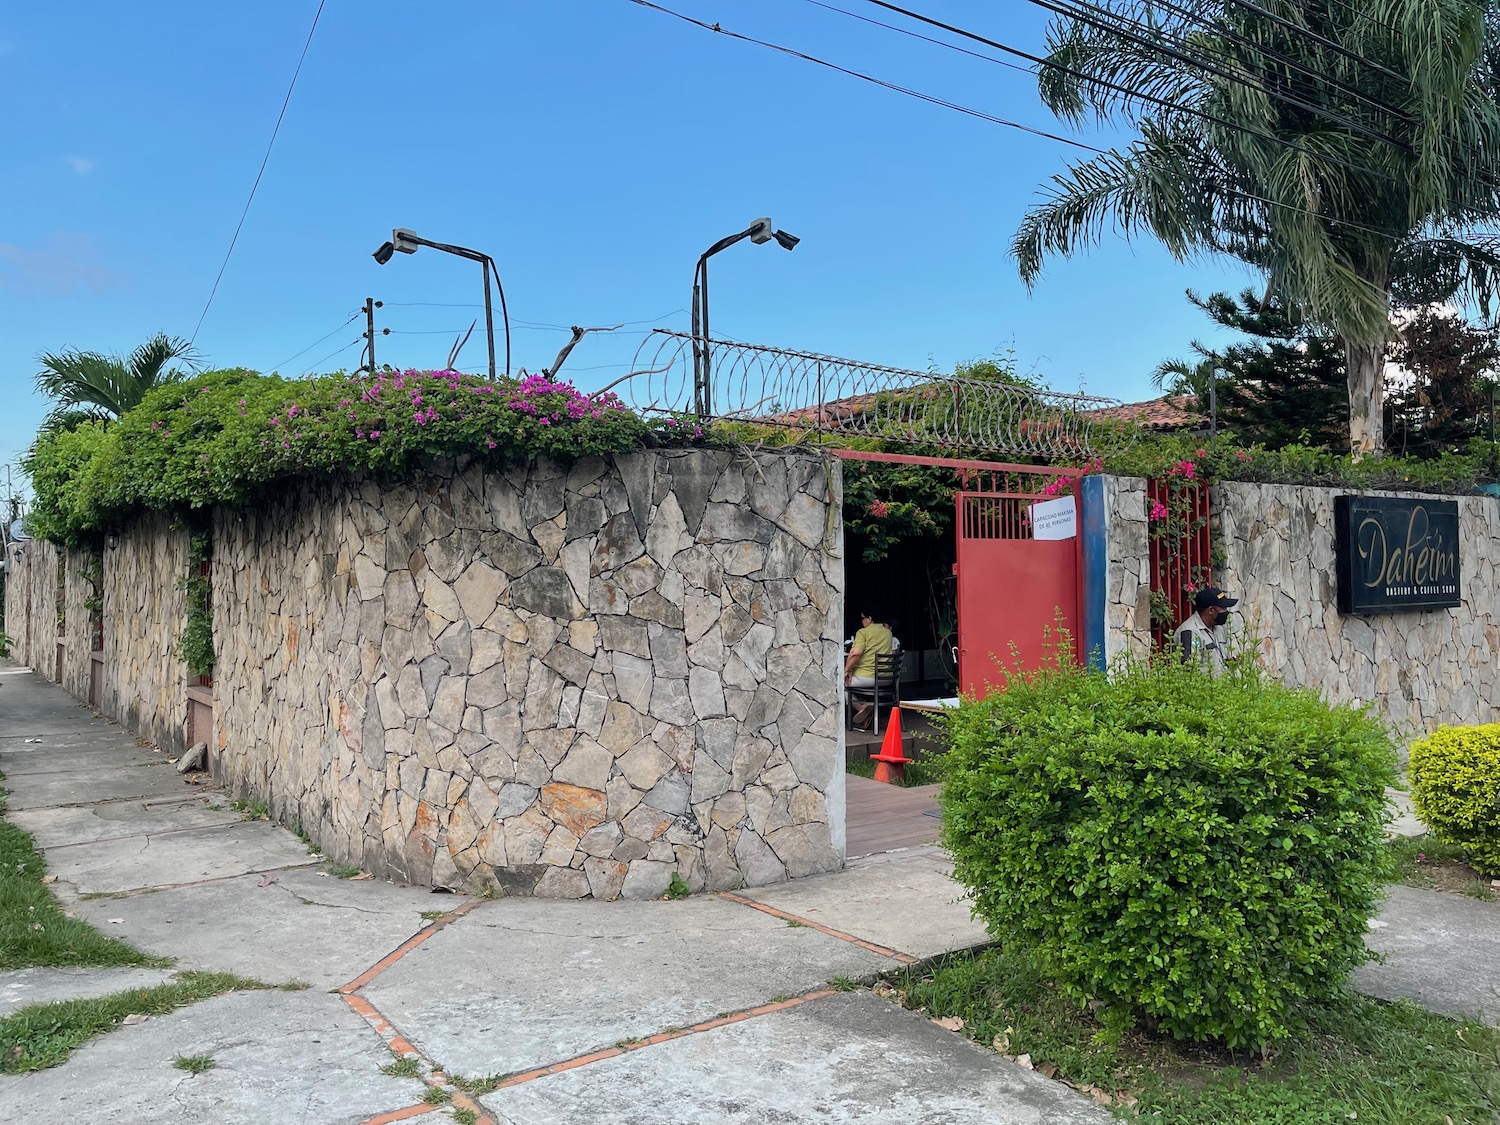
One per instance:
(371,304)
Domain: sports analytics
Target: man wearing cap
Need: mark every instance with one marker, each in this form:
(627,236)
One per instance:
(1202,634)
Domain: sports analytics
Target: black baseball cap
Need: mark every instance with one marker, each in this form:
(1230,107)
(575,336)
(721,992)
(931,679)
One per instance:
(1212,596)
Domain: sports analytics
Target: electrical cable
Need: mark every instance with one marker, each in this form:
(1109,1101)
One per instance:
(1228,192)
(319,362)
(1080,10)
(1317,75)
(930,98)
(352,318)
(264,161)
(1353,56)
(1040,61)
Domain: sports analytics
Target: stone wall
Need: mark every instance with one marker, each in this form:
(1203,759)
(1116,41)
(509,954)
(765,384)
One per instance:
(1127,593)
(567,680)
(31,605)
(145,684)
(1419,669)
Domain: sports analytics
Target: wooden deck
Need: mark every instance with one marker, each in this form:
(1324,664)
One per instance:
(882,817)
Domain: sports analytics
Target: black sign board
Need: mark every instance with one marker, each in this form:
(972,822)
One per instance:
(1395,554)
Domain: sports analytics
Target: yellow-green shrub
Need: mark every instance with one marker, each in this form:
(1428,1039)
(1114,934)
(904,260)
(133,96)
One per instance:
(1455,786)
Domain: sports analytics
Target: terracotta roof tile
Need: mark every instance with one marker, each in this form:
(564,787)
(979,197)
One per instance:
(1170,412)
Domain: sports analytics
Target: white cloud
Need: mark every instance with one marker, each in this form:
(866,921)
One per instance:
(64,265)
(80,164)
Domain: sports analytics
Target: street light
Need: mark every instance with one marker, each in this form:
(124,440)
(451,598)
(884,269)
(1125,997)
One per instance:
(757,232)
(406,242)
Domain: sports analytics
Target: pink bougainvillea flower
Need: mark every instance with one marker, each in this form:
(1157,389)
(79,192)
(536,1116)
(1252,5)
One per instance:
(879,509)
(1158,510)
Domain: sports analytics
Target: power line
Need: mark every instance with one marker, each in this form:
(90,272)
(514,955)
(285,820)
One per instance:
(930,98)
(352,318)
(264,161)
(340,351)
(1079,10)
(1287,60)
(1105,83)
(1228,192)
(1256,9)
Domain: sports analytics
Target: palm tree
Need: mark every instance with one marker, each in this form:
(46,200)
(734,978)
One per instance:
(88,385)
(1350,151)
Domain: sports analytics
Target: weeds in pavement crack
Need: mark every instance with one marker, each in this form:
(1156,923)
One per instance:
(402,1068)
(194,1064)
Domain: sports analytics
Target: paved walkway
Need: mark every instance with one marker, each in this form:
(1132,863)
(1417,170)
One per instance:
(715,1008)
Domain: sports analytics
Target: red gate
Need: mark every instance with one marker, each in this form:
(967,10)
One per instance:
(1013,590)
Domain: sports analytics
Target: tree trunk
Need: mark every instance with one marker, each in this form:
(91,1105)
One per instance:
(1366,367)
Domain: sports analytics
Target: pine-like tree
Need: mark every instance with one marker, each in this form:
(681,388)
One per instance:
(1283,386)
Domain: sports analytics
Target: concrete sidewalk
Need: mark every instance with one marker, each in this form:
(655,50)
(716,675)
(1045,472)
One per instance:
(714,1008)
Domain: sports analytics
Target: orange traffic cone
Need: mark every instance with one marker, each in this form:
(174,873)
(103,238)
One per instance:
(890,763)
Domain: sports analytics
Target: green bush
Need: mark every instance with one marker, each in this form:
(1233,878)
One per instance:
(1455,788)
(1201,852)
(226,436)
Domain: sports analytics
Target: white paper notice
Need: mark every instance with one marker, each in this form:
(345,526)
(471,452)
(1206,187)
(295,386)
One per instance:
(1054,519)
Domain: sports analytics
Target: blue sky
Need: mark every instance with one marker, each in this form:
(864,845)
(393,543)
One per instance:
(593,147)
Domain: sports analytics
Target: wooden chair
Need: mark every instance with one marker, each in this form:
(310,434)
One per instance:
(885,691)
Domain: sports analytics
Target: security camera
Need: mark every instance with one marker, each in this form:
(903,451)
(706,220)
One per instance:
(404,240)
(384,254)
(760,231)
(787,241)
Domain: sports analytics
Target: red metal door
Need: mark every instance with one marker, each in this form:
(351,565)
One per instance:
(1013,590)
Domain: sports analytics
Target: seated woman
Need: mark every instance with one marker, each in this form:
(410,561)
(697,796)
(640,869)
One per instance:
(873,639)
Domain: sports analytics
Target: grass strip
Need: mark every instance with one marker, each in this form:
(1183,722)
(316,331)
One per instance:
(33,928)
(43,1035)
(1427,862)
(922,771)
(1363,1060)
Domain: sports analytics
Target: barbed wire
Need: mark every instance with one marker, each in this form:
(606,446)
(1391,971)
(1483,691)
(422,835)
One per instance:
(845,397)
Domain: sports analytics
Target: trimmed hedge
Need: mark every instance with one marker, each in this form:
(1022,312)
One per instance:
(1455,788)
(225,436)
(1203,853)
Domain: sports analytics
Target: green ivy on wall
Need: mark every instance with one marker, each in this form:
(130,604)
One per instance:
(196,648)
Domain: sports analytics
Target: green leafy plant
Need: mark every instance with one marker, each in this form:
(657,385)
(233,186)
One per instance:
(1203,853)
(225,437)
(1455,789)
(196,646)
(678,887)
(6,640)
(194,1064)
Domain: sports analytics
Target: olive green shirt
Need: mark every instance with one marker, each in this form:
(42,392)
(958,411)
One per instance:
(871,641)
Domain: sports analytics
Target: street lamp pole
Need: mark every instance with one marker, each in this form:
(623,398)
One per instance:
(406,242)
(758,232)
